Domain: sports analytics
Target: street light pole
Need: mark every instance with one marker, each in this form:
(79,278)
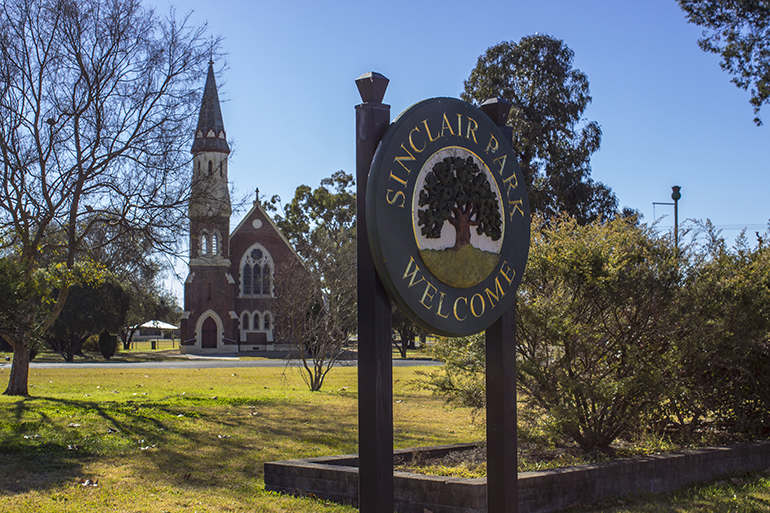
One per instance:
(676,195)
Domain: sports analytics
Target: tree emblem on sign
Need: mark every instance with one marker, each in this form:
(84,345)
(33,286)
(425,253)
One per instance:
(457,191)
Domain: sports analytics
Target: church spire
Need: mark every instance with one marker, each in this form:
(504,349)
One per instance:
(210,134)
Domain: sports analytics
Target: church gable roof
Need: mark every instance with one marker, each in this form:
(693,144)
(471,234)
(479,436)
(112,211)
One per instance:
(210,133)
(254,226)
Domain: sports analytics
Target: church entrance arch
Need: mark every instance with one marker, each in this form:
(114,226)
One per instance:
(209,334)
(209,331)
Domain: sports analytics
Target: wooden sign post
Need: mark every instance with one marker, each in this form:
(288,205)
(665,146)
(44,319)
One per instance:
(375,371)
(443,231)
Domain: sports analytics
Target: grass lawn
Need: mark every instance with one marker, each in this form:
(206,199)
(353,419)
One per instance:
(188,440)
(196,440)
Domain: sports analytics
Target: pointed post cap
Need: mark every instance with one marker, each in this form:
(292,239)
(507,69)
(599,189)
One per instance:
(497,109)
(372,86)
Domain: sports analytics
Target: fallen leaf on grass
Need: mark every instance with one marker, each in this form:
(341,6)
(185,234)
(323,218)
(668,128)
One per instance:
(28,437)
(73,447)
(111,430)
(88,482)
(73,425)
(223,436)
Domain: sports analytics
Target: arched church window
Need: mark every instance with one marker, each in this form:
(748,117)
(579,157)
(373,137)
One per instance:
(256,287)
(204,243)
(247,280)
(211,167)
(256,273)
(256,321)
(215,243)
(267,321)
(266,274)
(245,322)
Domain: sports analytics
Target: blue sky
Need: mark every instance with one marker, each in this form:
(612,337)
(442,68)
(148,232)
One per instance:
(668,113)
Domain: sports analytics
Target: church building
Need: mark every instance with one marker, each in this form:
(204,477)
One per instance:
(229,294)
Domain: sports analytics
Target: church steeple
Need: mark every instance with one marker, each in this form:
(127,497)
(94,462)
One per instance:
(210,195)
(210,134)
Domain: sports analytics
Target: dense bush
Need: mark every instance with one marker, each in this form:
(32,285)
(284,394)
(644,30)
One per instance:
(89,310)
(461,378)
(720,368)
(108,343)
(619,332)
(592,326)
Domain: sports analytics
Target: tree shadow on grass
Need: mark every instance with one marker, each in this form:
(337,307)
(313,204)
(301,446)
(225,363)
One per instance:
(199,443)
(185,442)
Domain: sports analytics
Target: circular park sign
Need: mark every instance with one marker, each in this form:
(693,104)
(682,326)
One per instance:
(448,217)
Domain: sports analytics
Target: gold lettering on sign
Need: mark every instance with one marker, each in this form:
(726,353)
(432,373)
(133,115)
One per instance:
(440,304)
(483,306)
(455,308)
(411,276)
(501,161)
(510,183)
(493,146)
(392,198)
(430,137)
(428,295)
(399,180)
(516,204)
(498,294)
(411,141)
(472,127)
(407,157)
(446,126)
(510,271)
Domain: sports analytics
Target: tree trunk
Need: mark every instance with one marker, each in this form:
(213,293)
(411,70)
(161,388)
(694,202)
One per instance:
(69,355)
(462,234)
(17,384)
(402,346)
(410,341)
(461,220)
(127,336)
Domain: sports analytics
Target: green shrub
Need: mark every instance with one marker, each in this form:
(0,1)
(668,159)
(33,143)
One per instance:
(108,344)
(720,369)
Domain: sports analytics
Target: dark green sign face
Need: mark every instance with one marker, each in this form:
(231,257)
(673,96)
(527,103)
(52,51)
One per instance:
(448,217)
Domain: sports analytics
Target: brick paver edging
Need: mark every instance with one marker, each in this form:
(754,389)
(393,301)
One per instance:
(336,478)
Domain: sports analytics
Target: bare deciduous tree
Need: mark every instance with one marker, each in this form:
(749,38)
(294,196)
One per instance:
(97,101)
(318,316)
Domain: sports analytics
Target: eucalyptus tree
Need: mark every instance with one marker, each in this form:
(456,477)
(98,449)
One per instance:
(739,32)
(551,140)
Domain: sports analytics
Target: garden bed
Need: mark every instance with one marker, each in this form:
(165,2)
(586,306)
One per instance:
(336,478)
